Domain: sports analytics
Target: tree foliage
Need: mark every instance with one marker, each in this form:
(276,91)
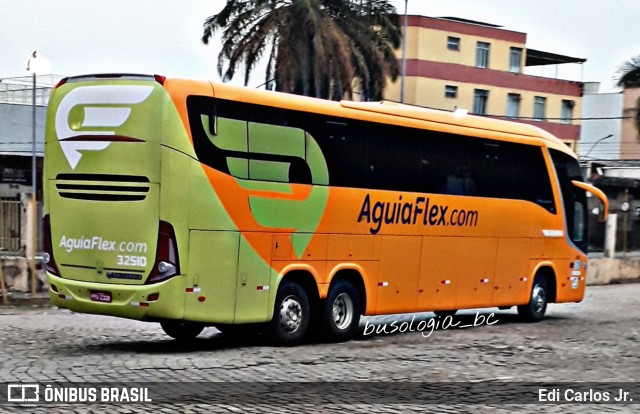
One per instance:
(629,77)
(629,73)
(322,48)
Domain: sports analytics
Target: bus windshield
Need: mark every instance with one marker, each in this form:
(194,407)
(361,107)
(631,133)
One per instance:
(574,199)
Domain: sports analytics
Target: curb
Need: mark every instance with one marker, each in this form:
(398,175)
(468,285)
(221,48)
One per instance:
(24,299)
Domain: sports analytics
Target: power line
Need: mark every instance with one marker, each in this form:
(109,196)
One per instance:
(601,118)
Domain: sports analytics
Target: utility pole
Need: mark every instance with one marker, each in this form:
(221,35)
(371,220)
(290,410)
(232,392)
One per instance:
(404,53)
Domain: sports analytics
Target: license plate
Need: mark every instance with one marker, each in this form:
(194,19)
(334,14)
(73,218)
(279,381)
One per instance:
(101,297)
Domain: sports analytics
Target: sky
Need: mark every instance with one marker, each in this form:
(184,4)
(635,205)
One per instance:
(163,36)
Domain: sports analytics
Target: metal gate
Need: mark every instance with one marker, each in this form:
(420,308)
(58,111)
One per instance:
(10,224)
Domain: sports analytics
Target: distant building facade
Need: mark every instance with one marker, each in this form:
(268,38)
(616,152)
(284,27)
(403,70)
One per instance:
(16,155)
(16,132)
(609,127)
(630,143)
(454,63)
(601,128)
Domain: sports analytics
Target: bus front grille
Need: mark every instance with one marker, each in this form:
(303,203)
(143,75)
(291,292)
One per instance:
(102,187)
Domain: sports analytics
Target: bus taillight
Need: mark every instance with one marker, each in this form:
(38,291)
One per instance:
(61,82)
(49,260)
(167,263)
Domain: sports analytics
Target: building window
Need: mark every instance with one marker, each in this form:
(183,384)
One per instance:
(453,43)
(539,108)
(513,105)
(480,98)
(566,117)
(482,55)
(515,60)
(450,91)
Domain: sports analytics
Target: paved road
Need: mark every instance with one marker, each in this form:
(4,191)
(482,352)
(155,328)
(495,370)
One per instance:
(597,340)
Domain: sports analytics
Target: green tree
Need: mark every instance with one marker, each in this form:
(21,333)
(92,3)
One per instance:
(629,77)
(322,48)
(629,73)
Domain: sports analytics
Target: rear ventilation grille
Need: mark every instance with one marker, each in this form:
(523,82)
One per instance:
(102,187)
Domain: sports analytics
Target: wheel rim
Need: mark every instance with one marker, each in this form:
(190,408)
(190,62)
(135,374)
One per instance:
(538,298)
(343,311)
(290,314)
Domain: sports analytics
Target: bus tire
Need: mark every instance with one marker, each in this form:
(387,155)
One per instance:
(181,330)
(291,315)
(444,313)
(534,310)
(341,312)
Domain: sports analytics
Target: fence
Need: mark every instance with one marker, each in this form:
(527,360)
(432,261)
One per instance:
(627,233)
(10,224)
(19,90)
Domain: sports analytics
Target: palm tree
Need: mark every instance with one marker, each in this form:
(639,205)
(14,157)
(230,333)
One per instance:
(629,77)
(320,48)
(629,73)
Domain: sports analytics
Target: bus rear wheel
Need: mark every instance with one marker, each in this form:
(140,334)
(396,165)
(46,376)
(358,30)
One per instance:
(181,330)
(291,315)
(534,310)
(341,312)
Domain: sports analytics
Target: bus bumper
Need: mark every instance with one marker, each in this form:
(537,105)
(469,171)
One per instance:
(164,300)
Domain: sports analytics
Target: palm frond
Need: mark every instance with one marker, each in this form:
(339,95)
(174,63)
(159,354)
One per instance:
(317,48)
(629,73)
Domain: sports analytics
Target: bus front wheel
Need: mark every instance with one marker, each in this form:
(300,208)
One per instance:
(291,315)
(534,310)
(341,312)
(181,330)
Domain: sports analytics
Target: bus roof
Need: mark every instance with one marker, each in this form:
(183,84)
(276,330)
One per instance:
(388,113)
(454,120)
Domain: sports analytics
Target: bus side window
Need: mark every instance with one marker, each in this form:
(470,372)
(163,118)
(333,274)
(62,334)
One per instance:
(517,172)
(345,150)
(277,153)
(226,149)
(394,158)
(448,165)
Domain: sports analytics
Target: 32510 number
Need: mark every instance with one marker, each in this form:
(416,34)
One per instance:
(134,261)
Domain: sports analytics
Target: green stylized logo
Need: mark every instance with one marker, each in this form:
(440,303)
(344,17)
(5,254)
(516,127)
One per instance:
(269,158)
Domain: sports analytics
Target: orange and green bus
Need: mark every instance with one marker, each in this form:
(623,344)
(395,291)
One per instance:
(196,204)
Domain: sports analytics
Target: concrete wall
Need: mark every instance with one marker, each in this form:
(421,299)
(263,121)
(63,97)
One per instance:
(16,275)
(605,270)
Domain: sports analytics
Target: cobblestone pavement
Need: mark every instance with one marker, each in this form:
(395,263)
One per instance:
(596,340)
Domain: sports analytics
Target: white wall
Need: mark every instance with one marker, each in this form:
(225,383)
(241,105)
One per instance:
(600,105)
(16,129)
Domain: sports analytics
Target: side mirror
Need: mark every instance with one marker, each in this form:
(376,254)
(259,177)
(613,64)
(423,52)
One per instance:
(599,212)
(603,209)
